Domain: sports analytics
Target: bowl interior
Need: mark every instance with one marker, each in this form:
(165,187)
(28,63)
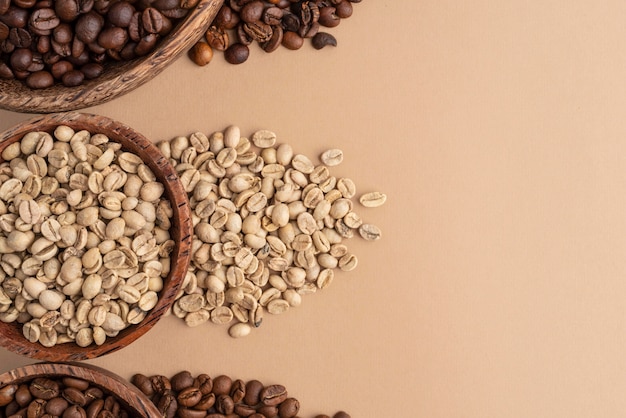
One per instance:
(118,78)
(181,232)
(130,398)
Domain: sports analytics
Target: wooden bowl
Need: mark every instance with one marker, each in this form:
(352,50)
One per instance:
(129,397)
(11,336)
(118,78)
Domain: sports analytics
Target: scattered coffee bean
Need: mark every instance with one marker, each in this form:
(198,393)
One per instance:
(272,23)
(269,226)
(201,53)
(223,396)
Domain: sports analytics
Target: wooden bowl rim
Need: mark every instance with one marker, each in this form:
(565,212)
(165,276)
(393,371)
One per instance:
(120,79)
(11,334)
(130,396)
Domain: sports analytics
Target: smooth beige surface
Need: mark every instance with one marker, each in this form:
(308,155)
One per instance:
(497,130)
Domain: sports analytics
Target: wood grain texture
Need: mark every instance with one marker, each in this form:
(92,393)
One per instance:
(181,232)
(118,78)
(129,397)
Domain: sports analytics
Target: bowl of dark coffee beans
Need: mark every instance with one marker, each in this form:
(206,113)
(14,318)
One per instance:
(95,236)
(70,390)
(62,55)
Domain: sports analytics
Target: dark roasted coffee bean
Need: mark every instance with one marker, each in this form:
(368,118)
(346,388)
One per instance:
(238,390)
(328,17)
(36,408)
(4,31)
(145,44)
(182,380)
(24,4)
(15,17)
(189,4)
(64,50)
(120,13)
(204,383)
(273,15)
(237,53)
(88,27)
(290,22)
(268,411)
(77,47)
(322,39)
(258,31)
(7,46)
(135,28)
(152,20)
(80,60)
(167,405)
(5,72)
(237,5)
(44,388)
(275,41)
(206,402)
(252,11)
(56,406)
(217,38)
(201,53)
(341,414)
(226,18)
(58,69)
(44,19)
(63,33)
(309,31)
(242,35)
(224,404)
(71,394)
(93,393)
(94,408)
(20,60)
(222,385)
(272,395)
(253,392)
(113,38)
(189,397)
(4,6)
(289,408)
(190,413)
(67,10)
(74,411)
(37,64)
(244,410)
(23,396)
(20,37)
(344,9)
(292,40)
(92,70)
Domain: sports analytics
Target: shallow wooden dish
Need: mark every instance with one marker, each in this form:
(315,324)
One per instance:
(129,397)
(11,336)
(117,79)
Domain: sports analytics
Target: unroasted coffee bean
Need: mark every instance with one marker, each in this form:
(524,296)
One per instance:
(237,53)
(323,39)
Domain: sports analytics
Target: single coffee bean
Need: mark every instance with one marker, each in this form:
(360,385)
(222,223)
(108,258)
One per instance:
(292,40)
(222,385)
(44,19)
(143,383)
(289,408)
(273,15)
(341,414)
(7,394)
(344,9)
(5,71)
(201,53)
(15,17)
(44,388)
(237,53)
(73,78)
(120,13)
(189,397)
(74,411)
(40,80)
(92,70)
(88,27)
(323,39)
(113,38)
(67,10)
(181,380)
(226,18)
(253,392)
(4,6)
(58,69)
(4,31)
(217,38)
(328,17)
(23,396)
(152,20)
(20,37)
(56,406)
(275,41)
(238,390)
(21,59)
(273,395)
(252,12)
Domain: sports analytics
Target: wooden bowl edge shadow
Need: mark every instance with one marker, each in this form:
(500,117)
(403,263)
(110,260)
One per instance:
(129,395)
(122,78)
(181,225)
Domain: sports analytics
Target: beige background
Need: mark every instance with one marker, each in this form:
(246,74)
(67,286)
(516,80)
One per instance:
(497,131)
